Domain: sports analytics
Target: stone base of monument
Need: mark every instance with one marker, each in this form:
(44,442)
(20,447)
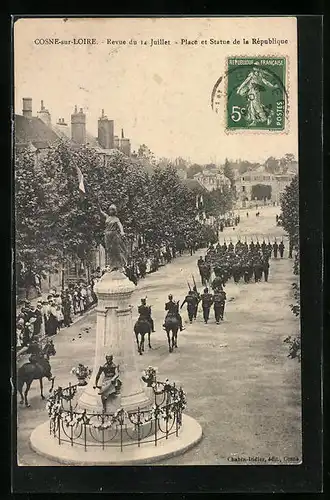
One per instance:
(47,445)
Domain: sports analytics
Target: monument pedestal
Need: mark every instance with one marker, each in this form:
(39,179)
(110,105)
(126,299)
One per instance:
(115,336)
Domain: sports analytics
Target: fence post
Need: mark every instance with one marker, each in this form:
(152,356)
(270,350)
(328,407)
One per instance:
(138,426)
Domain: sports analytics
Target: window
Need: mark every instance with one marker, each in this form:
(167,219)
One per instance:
(243,189)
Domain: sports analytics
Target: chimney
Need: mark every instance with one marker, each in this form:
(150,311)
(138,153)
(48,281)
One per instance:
(44,114)
(125,146)
(122,133)
(27,107)
(61,122)
(116,142)
(78,126)
(105,132)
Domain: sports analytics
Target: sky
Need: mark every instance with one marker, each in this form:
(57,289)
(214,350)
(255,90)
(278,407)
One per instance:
(161,94)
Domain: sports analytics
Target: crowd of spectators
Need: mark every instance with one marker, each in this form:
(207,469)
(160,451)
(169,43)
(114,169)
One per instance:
(56,311)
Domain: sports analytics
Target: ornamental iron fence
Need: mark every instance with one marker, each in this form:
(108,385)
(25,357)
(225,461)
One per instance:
(69,424)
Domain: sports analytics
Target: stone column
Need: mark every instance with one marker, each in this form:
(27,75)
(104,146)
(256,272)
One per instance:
(115,336)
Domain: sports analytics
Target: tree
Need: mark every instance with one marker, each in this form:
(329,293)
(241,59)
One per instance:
(172,205)
(229,172)
(194,169)
(289,157)
(272,165)
(33,250)
(246,166)
(290,223)
(72,222)
(146,155)
(222,201)
(290,211)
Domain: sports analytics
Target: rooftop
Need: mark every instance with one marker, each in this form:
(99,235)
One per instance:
(193,184)
(33,130)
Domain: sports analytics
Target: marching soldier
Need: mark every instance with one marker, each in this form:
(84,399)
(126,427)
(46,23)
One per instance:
(269,248)
(246,273)
(200,265)
(191,302)
(263,247)
(219,299)
(198,298)
(265,268)
(218,280)
(275,249)
(281,249)
(145,313)
(257,270)
(207,301)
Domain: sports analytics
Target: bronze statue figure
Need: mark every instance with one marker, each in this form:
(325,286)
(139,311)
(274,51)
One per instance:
(111,383)
(115,245)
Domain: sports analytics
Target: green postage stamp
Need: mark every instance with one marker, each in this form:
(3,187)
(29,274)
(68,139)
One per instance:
(255,94)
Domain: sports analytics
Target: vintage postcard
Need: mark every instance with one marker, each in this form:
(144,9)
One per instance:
(157,241)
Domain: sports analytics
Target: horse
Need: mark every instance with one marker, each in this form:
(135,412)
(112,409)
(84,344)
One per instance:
(141,328)
(36,371)
(172,324)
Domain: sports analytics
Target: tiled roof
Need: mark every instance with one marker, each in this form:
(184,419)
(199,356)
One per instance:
(193,184)
(64,132)
(33,130)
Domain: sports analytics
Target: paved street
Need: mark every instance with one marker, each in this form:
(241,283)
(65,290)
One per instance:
(240,385)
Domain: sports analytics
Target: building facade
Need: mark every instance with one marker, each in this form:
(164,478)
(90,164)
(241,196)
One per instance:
(212,179)
(273,186)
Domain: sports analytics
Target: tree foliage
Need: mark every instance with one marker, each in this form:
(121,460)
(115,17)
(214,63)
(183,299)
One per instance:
(222,200)
(290,211)
(290,223)
(55,220)
(194,169)
(229,172)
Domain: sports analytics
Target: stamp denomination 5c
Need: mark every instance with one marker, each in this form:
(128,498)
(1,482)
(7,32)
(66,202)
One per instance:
(253,94)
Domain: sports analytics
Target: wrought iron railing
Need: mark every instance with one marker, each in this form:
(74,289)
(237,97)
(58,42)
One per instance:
(163,418)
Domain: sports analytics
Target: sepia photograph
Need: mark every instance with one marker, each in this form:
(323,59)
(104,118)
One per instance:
(157,278)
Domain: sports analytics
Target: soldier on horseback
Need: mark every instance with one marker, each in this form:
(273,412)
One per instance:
(172,309)
(145,313)
(37,368)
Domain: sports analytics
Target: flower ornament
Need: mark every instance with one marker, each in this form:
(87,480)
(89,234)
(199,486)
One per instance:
(149,376)
(82,372)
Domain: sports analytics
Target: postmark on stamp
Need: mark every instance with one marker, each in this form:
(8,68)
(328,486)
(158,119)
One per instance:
(252,94)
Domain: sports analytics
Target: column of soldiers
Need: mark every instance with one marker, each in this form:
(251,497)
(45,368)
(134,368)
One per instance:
(149,258)
(207,300)
(241,261)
